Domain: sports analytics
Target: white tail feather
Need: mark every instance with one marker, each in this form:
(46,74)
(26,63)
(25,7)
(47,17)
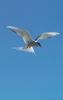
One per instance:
(30,50)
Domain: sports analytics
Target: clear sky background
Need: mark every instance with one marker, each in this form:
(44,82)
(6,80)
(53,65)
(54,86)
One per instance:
(24,76)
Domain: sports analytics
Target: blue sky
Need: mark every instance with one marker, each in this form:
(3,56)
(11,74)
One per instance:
(24,76)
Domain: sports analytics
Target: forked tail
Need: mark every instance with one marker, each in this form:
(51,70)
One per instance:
(30,50)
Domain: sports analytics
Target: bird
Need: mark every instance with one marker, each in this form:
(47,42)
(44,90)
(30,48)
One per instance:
(29,42)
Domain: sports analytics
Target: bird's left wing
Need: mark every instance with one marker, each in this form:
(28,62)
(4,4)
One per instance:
(22,33)
(46,35)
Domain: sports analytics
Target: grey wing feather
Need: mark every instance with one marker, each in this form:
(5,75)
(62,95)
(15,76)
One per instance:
(22,33)
(46,35)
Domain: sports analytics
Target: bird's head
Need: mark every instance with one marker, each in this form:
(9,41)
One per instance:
(39,44)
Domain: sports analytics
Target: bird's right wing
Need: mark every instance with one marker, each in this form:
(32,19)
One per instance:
(46,35)
(25,35)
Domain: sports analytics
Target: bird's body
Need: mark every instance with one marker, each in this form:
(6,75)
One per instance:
(30,43)
(33,44)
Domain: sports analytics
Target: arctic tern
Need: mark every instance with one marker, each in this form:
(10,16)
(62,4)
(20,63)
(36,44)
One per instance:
(29,42)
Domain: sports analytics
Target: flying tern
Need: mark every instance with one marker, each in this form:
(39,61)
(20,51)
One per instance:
(29,42)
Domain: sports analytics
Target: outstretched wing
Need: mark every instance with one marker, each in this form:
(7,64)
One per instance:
(25,35)
(46,35)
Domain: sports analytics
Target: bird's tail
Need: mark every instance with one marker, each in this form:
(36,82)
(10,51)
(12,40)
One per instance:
(30,50)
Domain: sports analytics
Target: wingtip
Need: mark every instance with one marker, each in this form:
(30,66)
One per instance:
(54,33)
(57,33)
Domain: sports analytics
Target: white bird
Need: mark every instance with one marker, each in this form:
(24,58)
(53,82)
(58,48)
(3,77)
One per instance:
(30,43)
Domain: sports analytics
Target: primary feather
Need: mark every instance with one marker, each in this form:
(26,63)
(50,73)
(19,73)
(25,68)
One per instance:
(22,33)
(46,35)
